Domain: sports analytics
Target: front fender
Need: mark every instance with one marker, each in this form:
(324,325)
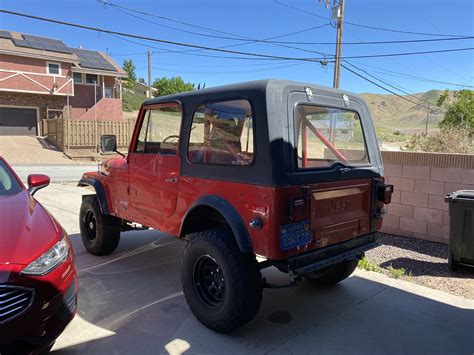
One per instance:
(100,192)
(231,216)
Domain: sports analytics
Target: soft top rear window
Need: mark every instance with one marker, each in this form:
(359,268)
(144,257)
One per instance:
(327,135)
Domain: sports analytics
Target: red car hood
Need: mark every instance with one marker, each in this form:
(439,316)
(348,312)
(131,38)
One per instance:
(26,229)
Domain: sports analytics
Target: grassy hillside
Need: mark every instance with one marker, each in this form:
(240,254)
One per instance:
(396,119)
(131,101)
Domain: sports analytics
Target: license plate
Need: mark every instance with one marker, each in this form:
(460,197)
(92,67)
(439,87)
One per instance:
(294,234)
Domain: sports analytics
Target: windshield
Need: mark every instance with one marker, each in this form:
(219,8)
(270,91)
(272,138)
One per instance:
(8,184)
(328,135)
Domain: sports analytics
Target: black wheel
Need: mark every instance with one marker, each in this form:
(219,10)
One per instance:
(100,233)
(333,274)
(222,285)
(452,264)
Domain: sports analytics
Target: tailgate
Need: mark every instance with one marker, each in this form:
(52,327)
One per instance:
(340,210)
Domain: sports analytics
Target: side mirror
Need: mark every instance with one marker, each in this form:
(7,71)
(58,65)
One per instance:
(37,182)
(108,143)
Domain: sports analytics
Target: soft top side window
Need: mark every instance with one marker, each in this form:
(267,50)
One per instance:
(222,133)
(160,130)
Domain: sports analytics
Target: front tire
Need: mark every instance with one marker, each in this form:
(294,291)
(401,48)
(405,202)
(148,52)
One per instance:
(100,233)
(333,274)
(222,285)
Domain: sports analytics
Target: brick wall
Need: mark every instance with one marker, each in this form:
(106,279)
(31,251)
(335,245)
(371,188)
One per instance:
(421,180)
(43,102)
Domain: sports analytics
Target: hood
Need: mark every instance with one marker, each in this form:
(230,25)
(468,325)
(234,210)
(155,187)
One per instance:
(26,229)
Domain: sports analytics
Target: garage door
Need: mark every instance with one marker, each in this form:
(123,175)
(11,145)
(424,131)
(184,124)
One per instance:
(18,122)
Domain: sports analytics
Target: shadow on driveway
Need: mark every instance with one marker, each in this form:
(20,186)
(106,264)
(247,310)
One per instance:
(131,302)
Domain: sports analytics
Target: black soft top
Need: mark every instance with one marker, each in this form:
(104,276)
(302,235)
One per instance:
(272,104)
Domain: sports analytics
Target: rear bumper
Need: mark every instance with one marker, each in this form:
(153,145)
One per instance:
(352,249)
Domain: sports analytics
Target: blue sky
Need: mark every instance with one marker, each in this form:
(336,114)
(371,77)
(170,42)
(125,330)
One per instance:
(264,19)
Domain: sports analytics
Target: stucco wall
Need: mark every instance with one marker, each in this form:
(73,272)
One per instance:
(106,110)
(421,180)
(30,75)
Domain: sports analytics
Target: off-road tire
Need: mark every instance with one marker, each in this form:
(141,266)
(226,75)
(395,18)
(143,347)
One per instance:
(242,284)
(333,274)
(103,235)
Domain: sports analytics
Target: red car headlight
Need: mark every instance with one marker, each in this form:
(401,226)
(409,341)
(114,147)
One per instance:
(49,260)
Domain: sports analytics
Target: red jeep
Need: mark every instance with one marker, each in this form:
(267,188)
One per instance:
(286,171)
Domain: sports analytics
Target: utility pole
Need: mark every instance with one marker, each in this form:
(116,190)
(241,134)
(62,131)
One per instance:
(338,14)
(427,117)
(149,74)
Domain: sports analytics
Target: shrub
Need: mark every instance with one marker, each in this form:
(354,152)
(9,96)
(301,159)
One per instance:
(446,140)
(368,265)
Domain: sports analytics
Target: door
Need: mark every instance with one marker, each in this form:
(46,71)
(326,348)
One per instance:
(332,154)
(155,163)
(18,121)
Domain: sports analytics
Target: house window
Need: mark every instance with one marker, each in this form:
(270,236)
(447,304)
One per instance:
(77,77)
(92,79)
(54,68)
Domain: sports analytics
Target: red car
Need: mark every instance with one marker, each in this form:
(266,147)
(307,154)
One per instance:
(38,279)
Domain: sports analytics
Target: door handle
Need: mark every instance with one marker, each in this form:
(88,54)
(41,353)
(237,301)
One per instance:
(172,180)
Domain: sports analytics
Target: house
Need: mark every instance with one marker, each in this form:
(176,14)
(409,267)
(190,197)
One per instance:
(141,88)
(42,78)
(343,129)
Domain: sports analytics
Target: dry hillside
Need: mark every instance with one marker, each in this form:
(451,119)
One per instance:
(392,113)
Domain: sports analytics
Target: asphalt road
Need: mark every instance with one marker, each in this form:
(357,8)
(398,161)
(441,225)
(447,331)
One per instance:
(131,302)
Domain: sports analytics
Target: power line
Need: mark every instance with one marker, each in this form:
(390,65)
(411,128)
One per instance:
(408,53)
(228,72)
(321,60)
(381,42)
(412,77)
(235,38)
(396,87)
(368,26)
(383,87)
(97,29)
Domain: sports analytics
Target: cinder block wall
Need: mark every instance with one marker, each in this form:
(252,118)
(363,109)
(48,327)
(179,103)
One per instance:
(421,181)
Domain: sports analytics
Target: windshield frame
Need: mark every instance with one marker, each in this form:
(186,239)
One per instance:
(331,164)
(17,185)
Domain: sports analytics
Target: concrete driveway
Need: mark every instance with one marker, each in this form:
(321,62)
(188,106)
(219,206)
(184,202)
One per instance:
(131,302)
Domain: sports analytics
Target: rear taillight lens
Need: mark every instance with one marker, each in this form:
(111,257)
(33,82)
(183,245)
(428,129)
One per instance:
(298,209)
(384,193)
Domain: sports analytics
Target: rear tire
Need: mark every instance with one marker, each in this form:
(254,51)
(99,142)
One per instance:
(222,285)
(100,233)
(333,274)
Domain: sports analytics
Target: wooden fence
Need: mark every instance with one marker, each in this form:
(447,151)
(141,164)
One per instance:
(74,134)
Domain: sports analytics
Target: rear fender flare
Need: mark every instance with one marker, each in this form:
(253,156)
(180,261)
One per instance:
(99,191)
(231,216)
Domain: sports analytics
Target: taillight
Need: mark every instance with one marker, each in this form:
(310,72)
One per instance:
(298,209)
(384,193)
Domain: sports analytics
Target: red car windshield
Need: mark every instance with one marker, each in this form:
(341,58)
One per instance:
(8,184)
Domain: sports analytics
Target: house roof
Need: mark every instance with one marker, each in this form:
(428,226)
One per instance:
(32,46)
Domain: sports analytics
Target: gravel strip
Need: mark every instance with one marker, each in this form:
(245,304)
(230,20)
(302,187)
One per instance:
(426,264)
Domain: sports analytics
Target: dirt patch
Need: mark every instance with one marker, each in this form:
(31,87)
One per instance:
(424,263)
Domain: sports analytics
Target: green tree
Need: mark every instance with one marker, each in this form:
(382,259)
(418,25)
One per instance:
(460,109)
(174,85)
(129,67)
